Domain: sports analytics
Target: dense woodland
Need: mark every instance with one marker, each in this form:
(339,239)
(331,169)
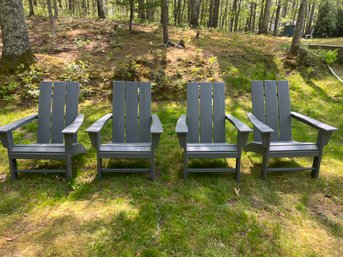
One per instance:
(263,16)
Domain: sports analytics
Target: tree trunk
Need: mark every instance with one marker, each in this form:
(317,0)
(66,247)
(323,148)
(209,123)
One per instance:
(234,11)
(277,17)
(100,7)
(15,37)
(165,12)
(194,13)
(178,12)
(31,12)
(141,11)
(261,17)
(237,15)
(309,24)
(131,15)
(266,17)
(252,29)
(51,19)
(298,28)
(55,9)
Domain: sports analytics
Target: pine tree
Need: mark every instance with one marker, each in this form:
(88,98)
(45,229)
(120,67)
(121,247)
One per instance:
(326,22)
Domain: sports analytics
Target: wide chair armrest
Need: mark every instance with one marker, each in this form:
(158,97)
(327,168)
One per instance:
(181,125)
(243,130)
(263,128)
(240,126)
(73,127)
(99,124)
(156,126)
(16,124)
(182,130)
(312,122)
(155,130)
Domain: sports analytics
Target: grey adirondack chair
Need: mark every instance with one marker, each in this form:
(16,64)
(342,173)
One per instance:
(135,132)
(271,118)
(201,132)
(58,123)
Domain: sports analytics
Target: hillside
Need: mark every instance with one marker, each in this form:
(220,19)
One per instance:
(207,215)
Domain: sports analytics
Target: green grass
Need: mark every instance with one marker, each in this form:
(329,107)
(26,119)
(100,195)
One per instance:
(290,214)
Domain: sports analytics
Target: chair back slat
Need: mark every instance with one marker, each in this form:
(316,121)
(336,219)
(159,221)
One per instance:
(258,105)
(144,111)
(193,112)
(44,112)
(218,112)
(57,119)
(58,108)
(131,112)
(206,112)
(284,111)
(271,105)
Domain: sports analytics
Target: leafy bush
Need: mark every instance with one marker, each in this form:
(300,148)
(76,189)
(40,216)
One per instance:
(7,92)
(326,21)
(30,79)
(79,70)
(328,56)
(127,71)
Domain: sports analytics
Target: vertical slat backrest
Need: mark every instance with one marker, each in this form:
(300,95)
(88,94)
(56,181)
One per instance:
(284,111)
(271,105)
(206,112)
(57,119)
(131,112)
(218,112)
(58,107)
(44,112)
(193,112)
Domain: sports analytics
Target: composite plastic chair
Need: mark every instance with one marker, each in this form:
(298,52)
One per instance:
(58,123)
(135,132)
(271,118)
(201,132)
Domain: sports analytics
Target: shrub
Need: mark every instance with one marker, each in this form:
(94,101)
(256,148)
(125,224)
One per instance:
(127,71)
(328,56)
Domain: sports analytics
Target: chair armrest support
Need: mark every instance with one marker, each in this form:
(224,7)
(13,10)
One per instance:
(265,130)
(243,130)
(182,130)
(73,127)
(312,122)
(155,130)
(16,124)
(94,130)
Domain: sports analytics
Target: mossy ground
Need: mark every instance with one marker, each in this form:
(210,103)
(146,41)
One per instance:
(290,214)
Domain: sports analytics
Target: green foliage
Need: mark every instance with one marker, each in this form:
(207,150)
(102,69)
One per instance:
(329,56)
(326,22)
(7,92)
(30,78)
(80,71)
(127,71)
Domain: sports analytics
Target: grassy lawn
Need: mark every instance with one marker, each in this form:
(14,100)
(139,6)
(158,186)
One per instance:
(290,214)
(327,41)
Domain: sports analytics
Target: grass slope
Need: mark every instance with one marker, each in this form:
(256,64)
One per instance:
(128,215)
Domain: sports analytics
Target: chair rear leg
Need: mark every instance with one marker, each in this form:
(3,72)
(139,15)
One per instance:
(152,166)
(69,167)
(185,160)
(13,168)
(99,166)
(264,171)
(238,169)
(316,166)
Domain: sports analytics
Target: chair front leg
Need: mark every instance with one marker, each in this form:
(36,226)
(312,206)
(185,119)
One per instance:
(266,145)
(7,141)
(242,139)
(69,140)
(185,161)
(152,165)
